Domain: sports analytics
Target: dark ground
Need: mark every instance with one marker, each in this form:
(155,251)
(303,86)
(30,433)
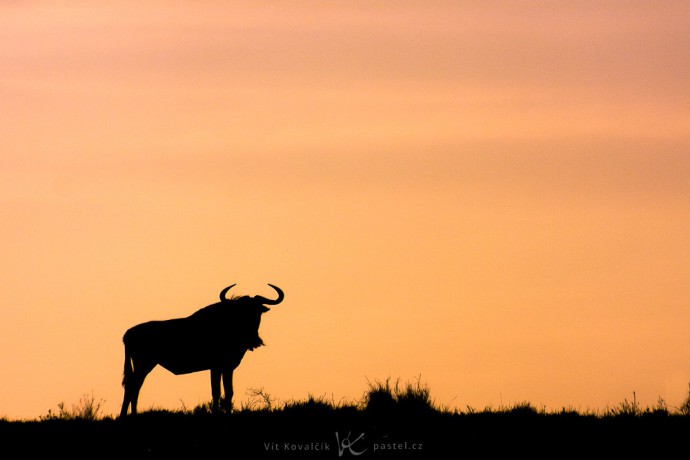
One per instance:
(336,434)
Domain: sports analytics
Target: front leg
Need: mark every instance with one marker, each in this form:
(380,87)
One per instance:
(227,384)
(215,388)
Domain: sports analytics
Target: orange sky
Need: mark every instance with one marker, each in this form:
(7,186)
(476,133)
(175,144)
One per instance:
(492,195)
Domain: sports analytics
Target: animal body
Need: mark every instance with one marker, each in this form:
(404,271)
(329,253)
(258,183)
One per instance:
(214,338)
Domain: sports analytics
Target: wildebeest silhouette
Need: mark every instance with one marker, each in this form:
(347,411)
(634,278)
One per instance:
(214,338)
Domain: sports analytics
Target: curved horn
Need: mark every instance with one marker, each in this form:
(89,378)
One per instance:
(224,291)
(266,301)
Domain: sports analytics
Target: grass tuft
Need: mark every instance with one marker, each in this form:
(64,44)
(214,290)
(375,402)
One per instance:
(411,398)
(312,405)
(88,408)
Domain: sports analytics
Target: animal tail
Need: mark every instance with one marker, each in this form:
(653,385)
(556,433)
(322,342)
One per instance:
(129,370)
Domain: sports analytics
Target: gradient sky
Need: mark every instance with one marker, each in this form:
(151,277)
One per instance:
(492,196)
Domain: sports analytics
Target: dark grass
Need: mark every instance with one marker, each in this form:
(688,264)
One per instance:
(397,421)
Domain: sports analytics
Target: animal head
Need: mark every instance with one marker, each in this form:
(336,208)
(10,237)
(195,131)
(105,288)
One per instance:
(237,318)
(242,315)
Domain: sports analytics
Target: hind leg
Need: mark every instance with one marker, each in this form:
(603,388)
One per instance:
(132,388)
(125,404)
(133,385)
(134,395)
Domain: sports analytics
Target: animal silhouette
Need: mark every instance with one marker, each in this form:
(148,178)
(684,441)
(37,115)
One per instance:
(214,338)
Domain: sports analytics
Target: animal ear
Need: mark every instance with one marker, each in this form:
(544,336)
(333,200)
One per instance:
(264,309)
